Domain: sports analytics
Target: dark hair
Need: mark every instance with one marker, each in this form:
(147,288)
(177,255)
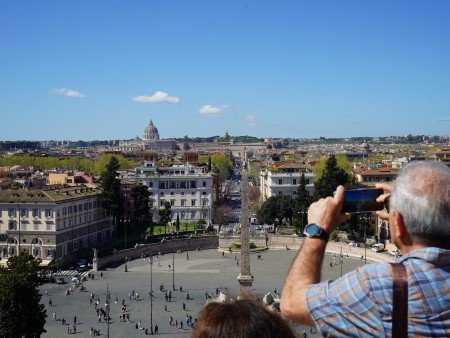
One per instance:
(244,318)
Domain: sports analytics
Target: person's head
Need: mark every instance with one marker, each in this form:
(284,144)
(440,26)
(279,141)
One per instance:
(420,200)
(244,318)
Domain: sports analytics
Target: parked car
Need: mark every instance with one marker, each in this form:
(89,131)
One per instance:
(60,280)
(76,278)
(378,247)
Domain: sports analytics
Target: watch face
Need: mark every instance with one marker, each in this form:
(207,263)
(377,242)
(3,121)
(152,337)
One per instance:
(312,229)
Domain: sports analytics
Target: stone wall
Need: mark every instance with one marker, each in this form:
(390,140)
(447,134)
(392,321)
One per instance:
(170,245)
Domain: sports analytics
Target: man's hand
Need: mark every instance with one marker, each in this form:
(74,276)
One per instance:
(326,212)
(387,188)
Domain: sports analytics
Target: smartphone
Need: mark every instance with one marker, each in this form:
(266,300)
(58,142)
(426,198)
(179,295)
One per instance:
(362,200)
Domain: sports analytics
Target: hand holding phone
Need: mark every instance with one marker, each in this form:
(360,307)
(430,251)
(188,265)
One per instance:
(362,200)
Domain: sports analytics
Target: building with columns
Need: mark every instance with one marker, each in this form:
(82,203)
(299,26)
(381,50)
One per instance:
(57,224)
(187,188)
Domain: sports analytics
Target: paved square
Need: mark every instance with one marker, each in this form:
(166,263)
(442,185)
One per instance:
(203,272)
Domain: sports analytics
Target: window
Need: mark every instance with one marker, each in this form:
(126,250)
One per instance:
(183,203)
(172,202)
(69,210)
(36,226)
(280,193)
(80,207)
(182,193)
(23,212)
(90,205)
(193,184)
(204,193)
(150,184)
(294,181)
(64,210)
(205,202)
(49,226)
(193,214)
(75,208)
(204,183)
(161,203)
(48,212)
(85,206)
(294,192)
(193,203)
(171,185)
(204,216)
(12,212)
(161,193)
(280,181)
(35,212)
(12,225)
(193,193)
(171,193)
(183,185)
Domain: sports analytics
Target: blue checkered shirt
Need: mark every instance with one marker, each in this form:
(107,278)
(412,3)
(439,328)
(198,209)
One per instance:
(359,304)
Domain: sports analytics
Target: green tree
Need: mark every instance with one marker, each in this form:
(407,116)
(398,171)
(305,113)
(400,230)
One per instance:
(332,176)
(209,164)
(21,314)
(276,208)
(112,198)
(165,215)
(142,217)
(223,214)
(302,202)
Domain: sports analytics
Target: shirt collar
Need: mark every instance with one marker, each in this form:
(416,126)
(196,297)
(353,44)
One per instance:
(433,255)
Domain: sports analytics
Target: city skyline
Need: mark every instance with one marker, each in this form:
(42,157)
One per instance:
(96,71)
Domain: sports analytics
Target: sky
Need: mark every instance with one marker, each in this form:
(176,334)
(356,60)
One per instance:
(96,70)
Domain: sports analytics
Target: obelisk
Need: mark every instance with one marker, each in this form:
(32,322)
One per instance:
(245,278)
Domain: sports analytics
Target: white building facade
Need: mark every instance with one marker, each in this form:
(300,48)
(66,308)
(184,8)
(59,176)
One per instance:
(188,189)
(283,183)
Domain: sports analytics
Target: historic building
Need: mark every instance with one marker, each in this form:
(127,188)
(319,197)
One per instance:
(60,224)
(284,181)
(150,141)
(187,188)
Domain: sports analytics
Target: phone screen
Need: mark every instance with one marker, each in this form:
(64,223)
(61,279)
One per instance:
(362,200)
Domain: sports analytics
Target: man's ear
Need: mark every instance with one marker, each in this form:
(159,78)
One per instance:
(399,224)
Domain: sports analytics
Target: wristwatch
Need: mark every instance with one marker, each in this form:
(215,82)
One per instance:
(313,230)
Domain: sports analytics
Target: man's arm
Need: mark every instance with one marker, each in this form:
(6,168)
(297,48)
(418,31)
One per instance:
(305,269)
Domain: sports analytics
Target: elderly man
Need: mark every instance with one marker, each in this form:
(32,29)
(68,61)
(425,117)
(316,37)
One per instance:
(360,303)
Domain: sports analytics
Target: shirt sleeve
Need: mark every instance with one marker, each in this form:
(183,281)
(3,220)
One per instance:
(343,307)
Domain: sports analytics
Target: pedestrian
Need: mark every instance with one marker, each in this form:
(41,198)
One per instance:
(91,331)
(181,288)
(156,328)
(165,308)
(223,253)
(74,327)
(90,301)
(75,320)
(50,302)
(170,320)
(187,296)
(54,315)
(101,274)
(128,317)
(304,334)
(184,306)
(181,325)
(63,321)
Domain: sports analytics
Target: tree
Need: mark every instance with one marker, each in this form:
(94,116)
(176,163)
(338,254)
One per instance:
(21,314)
(302,202)
(332,177)
(209,164)
(223,214)
(112,198)
(276,208)
(165,215)
(142,216)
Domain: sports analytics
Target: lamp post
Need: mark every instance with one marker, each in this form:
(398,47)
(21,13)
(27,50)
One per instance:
(125,229)
(151,293)
(107,305)
(173,270)
(187,251)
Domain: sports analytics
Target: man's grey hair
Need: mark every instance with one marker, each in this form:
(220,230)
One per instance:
(421,193)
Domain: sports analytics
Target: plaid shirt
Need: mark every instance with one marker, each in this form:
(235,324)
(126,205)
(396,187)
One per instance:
(359,304)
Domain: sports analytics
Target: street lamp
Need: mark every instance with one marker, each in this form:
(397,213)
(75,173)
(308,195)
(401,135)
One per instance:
(187,251)
(125,229)
(173,269)
(151,293)
(107,306)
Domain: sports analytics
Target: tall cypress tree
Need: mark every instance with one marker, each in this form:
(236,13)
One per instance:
(142,216)
(301,203)
(112,198)
(332,177)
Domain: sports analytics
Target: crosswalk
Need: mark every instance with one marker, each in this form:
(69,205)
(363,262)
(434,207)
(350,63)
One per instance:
(72,273)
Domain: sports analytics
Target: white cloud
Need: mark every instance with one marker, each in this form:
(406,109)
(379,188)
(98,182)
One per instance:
(445,119)
(158,96)
(210,110)
(68,92)
(250,119)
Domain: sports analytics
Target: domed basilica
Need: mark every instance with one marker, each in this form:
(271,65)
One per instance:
(150,141)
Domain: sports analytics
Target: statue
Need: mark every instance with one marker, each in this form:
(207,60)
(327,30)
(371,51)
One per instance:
(95,253)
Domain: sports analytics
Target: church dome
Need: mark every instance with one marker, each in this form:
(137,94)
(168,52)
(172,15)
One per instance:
(151,132)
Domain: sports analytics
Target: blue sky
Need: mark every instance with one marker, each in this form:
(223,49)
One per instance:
(102,69)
